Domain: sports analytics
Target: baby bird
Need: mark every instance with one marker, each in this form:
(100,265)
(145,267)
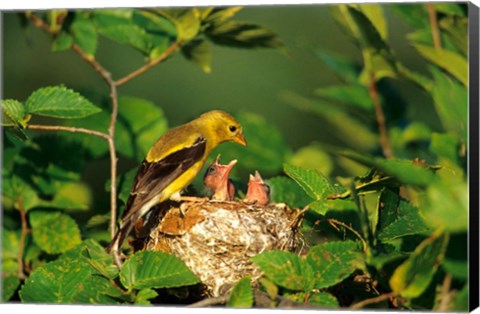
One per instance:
(217,181)
(258,192)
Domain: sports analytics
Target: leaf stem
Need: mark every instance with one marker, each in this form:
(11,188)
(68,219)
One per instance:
(365,302)
(355,232)
(150,64)
(382,127)
(21,244)
(68,129)
(432,17)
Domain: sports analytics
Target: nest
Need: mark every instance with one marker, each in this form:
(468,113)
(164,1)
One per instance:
(217,239)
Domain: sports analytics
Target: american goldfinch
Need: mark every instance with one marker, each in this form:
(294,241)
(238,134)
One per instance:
(172,164)
(217,181)
(258,192)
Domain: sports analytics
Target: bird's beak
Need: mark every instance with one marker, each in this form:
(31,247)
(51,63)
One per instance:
(229,168)
(240,139)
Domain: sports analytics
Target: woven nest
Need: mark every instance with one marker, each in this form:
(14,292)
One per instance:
(217,239)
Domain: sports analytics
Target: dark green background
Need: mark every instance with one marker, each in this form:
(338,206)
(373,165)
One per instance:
(241,80)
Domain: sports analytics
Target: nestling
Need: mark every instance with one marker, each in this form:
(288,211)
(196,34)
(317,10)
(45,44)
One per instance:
(217,182)
(258,192)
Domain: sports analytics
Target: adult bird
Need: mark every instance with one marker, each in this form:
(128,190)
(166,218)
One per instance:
(172,164)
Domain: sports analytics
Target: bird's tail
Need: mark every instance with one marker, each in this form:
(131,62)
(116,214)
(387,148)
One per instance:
(117,241)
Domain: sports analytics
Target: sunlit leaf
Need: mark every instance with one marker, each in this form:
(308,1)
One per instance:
(324,300)
(84,34)
(241,295)
(150,269)
(413,276)
(199,52)
(62,42)
(59,102)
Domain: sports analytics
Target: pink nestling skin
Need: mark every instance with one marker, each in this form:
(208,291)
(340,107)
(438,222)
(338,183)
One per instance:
(217,181)
(258,192)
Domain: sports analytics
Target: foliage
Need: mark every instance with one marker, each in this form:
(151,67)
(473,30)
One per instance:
(383,204)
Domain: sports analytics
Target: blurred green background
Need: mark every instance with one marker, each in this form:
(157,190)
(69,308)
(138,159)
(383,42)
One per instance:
(241,80)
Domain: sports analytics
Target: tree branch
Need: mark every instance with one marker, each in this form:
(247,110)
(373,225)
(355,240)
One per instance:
(209,301)
(21,244)
(432,17)
(68,129)
(365,302)
(382,127)
(113,160)
(150,64)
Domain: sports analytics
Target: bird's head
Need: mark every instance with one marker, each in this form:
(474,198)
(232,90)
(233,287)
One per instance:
(225,127)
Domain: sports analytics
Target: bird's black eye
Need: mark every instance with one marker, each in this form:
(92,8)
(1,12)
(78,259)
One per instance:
(232,128)
(211,169)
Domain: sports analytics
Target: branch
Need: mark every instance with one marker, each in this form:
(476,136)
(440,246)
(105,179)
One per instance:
(382,127)
(94,64)
(365,302)
(149,65)
(209,301)
(68,129)
(113,160)
(21,244)
(432,17)
(446,295)
(334,222)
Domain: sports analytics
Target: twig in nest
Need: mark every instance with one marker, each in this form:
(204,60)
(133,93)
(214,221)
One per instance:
(365,302)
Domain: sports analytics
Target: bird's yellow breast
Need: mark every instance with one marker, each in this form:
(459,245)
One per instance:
(182,181)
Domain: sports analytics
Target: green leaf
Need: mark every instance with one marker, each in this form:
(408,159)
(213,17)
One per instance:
(54,232)
(285,269)
(10,244)
(346,127)
(461,300)
(324,299)
(150,269)
(342,66)
(241,295)
(199,52)
(127,34)
(313,183)
(450,61)
(13,113)
(334,261)
(10,284)
(220,15)
(451,103)
(449,8)
(312,157)
(84,34)
(142,124)
(59,102)
(374,13)
(414,14)
(456,29)
(243,35)
(397,217)
(413,276)
(285,190)
(354,95)
(446,146)
(56,282)
(187,21)
(144,295)
(62,42)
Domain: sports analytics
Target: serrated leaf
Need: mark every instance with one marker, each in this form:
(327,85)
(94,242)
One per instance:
(241,295)
(451,103)
(84,35)
(243,35)
(10,284)
(59,102)
(150,269)
(199,52)
(334,261)
(54,232)
(127,34)
(62,42)
(10,244)
(144,295)
(413,276)
(450,61)
(55,282)
(285,269)
(324,299)
(13,113)
(313,183)
(285,190)
(397,217)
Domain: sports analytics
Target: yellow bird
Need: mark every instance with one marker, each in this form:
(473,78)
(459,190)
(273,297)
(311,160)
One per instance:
(172,164)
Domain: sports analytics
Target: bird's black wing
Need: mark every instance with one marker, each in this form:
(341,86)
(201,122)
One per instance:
(153,177)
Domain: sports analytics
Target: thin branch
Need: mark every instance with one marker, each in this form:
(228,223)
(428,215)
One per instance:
(68,129)
(39,23)
(209,301)
(432,17)
(21,244)
(332,222)
(382,127)
(94,64)
(446,295)
(365,302)
(113,160)
(150,64)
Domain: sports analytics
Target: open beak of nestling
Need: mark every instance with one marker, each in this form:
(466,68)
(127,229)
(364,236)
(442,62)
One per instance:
(228,168)
(258,192)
